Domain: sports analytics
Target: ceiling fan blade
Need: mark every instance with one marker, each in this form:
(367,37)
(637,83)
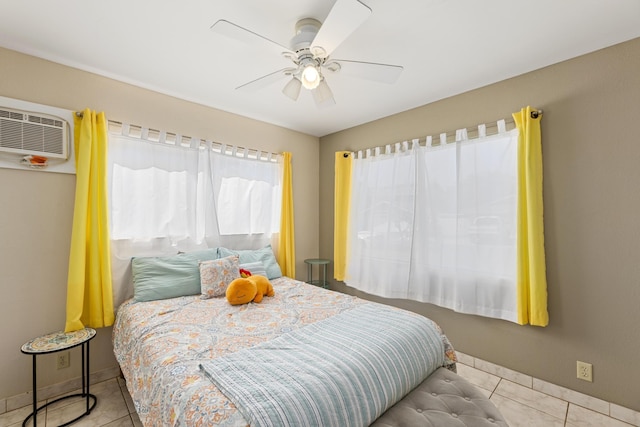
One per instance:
(236,32)
(343,19)
(322,95)
(383,73)
(265,81)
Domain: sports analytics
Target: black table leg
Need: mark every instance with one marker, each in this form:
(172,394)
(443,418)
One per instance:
(35,388)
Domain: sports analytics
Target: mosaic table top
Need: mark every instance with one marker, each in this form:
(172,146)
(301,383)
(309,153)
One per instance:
(57,341)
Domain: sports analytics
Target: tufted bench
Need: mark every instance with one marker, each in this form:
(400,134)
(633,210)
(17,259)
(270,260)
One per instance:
(443,399)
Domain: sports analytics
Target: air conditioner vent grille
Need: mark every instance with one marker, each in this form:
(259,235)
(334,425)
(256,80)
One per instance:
(53,141)
(26,133)
(45,121)
(10,134)
(11,115)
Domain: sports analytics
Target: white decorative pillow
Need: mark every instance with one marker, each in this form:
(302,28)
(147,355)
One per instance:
(215,275)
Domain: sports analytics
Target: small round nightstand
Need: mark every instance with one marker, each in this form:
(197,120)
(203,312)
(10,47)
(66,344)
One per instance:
(322,281)
(52,343)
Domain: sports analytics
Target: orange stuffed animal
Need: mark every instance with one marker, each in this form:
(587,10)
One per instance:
(246,289)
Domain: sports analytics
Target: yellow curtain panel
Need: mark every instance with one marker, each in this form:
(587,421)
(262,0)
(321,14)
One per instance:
(287,246)
(342,197)
(89,286)
(531,275)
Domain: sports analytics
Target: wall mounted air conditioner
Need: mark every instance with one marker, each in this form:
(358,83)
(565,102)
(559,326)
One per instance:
(28,133)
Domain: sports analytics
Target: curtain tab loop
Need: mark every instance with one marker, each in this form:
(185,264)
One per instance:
(429,142)
(502,126)
(443,139)
(461,135)
(482,130)
(162,138)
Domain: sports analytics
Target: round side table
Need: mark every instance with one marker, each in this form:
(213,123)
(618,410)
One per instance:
(322,280)
(58,341)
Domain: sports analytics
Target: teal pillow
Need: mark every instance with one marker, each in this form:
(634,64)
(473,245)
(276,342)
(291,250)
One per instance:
(168,277)
(264,255)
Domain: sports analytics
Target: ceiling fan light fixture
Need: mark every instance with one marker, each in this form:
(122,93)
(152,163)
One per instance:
(323,96)
(292,89)
(310,77)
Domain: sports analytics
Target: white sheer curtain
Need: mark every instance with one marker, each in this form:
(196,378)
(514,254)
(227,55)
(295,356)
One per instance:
(438,224)
(248,195)
(157,195)
(169,197)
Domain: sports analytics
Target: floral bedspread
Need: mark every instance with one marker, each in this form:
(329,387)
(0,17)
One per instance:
(160,345)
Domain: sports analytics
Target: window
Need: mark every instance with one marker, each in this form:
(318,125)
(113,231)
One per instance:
(438,224)
(165,197)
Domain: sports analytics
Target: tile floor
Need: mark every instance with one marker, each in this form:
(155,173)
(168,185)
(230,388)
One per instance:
(114,409)
(523,401)
(526,401)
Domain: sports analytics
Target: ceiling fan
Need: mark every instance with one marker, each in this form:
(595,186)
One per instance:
(310,51)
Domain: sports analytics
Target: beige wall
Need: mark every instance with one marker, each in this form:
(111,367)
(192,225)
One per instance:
(591,156)
(36,207)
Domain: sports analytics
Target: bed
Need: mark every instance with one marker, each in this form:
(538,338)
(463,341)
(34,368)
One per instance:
(179,354)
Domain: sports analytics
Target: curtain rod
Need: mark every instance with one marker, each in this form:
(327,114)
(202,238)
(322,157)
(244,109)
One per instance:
(471,131)
(493,125)
(231,149)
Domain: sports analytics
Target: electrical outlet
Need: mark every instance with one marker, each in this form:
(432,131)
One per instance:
(63,360)
(585,371)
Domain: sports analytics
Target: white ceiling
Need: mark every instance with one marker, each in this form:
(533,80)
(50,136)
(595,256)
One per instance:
(445,46)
